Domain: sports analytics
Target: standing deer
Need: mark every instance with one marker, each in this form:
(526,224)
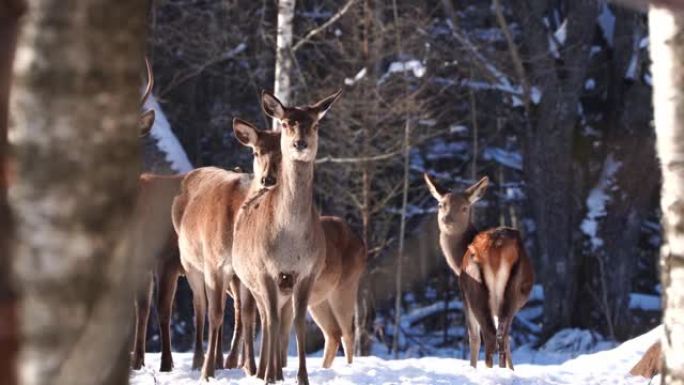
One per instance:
(279,246)
(333,295)
(494,273)
(155,197)
(203,215)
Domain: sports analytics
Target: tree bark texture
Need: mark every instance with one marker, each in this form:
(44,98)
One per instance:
(10,12)
(549,145)
(283,68)
(75,109)
(667,54)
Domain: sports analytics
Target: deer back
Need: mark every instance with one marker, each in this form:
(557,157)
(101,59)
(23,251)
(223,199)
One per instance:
(204,213)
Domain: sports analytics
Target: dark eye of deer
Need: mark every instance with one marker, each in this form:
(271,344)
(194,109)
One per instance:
(256,154)
(440,206)
(464,209)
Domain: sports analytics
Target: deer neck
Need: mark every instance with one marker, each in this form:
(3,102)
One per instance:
(295,193)
(457,241)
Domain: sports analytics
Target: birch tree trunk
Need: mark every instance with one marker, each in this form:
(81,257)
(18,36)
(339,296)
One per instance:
(667,53)
(75,108)
(282,88)
(10,11)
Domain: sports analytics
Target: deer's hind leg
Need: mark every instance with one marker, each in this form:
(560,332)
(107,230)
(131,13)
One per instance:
(285,327)
(168,281)
(199,304)
(248,322)
(343,304)
(232,357)
(216,298)
(142,316)
(324,317)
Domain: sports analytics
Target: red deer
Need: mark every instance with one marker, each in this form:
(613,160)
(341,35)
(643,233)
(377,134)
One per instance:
(154,202)
(203,216)
(333,295)
(495,274)
(279,246)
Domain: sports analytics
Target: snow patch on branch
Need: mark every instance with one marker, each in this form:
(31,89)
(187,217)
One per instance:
(598,199)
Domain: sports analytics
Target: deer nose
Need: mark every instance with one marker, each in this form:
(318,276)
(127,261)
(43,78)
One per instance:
(268,181)
(299,145)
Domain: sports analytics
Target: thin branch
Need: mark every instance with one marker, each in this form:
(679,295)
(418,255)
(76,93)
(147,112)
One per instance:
(323,26)
(363,159)
(515,55)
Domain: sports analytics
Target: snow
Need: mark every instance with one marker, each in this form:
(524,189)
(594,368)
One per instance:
(590,84)
(457,128)
(597,200)
(648,302)
(557,362)
(166,140)
(606,21)
(511,159)
(413,65)
(360,75)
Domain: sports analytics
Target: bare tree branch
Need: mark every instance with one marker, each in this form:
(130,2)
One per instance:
(323,26)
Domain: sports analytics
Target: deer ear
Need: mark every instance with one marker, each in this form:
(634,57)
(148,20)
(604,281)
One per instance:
(145,122)
(245,132)
(435,189)
(321,107)
(477,191)
(272,106)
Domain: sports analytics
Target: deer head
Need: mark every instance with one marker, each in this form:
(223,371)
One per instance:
(454,207)
(299,125)
(146,119)
(265,147)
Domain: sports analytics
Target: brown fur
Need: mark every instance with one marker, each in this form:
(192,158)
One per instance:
(282,236)
(166,269)
(333,295)
(204,214)
(495,274)
(651,363)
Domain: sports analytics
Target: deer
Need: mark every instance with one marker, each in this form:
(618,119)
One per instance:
(333,294)
(203,215)
(279,246)
(155,197)
(494,272)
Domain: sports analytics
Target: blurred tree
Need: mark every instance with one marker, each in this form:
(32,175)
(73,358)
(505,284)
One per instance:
(75,110)
(10,12)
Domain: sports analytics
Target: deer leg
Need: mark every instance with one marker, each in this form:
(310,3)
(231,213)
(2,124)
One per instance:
(285,327)
(216,297)
(473,337)
(232,357)
(490,347)
(142,307)
(219,345)
(248,320)
(199,303)
(343,307)
(263,355)
(272,328)
(325,319)
(302,290)
(166,292)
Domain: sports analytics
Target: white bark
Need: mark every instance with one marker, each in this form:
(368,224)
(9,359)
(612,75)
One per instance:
(283,66)
(75,111)
(667,53)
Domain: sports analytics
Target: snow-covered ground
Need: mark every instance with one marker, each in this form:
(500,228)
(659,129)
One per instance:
(557,363)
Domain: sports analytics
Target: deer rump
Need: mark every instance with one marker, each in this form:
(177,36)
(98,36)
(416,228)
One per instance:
(496,278)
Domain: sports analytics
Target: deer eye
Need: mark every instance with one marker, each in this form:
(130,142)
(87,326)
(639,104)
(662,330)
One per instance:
(440,205)
(464,208)
(256,154)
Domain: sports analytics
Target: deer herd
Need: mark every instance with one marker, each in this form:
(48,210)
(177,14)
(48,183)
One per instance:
(260,239)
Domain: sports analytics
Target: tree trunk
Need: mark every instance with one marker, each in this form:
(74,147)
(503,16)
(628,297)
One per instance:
(10,11)
(548,148)
(282,88)
(75,110)
(667,54)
